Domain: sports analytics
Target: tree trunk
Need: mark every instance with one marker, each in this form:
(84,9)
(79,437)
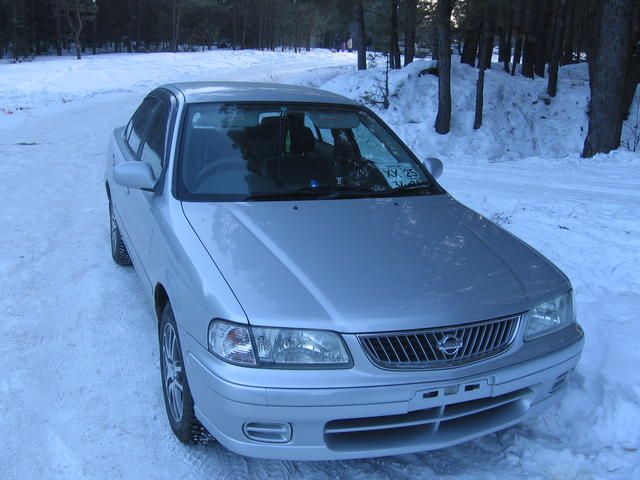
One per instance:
(19,30)
(78,46)
(506,34)
(470,47)
(261,26)
(94,36)
(443,119)
(174,26)
(578,50)
(75,24)
(484,53)
(528,41)
(139,39)
(508,48)
(361,35)
(517,53)
(295,33)
(131,16)
(35,31)
(56,14)
(542,24)
(569,33)
(272,26)
(411,9)
(245,19)
(394,48)
(517,29)
(502,44)
(633,71)
(488,35)
(560,12)
(234,21)
(631,81)
(528,56)
(608,63)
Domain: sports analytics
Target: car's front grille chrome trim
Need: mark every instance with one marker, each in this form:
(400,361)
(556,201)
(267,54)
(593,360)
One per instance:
(441,347)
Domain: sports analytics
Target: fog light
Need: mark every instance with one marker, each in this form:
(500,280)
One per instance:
(561,382)
(268,432)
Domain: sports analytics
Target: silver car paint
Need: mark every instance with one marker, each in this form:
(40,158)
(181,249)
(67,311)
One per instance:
(370,265)
(349,265)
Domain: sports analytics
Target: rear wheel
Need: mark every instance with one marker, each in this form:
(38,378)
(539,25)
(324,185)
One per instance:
(177,394)
(118,248)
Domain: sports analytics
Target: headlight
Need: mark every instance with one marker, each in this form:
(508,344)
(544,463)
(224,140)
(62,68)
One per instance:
(285,346)
(550,316)
(277,347)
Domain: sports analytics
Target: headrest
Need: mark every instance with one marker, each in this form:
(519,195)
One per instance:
(302,140)
(270,122)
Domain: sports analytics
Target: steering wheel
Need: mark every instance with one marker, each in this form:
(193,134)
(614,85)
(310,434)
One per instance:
(226,164)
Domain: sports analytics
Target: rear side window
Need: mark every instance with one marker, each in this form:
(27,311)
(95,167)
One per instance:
(139,123)
(154,147)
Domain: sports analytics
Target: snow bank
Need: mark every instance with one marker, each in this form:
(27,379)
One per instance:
(520,119)
(52,80)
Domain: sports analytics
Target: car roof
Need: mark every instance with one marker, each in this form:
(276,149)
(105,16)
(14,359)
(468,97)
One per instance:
(202,92)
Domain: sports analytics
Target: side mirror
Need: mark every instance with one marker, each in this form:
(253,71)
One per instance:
(434,165)
(134,175)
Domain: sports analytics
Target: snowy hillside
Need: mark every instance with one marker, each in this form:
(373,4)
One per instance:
(80,394)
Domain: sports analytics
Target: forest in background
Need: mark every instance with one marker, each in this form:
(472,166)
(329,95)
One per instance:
(529,37)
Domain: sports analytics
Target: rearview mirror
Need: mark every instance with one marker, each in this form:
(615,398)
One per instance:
(134,175)
(434,165)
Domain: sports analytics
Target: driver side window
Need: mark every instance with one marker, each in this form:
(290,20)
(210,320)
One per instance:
(153,149)
(138,124)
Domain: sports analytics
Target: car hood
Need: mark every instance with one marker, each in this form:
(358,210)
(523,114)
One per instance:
(370,265)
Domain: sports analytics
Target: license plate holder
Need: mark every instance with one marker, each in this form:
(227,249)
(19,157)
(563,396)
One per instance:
(452,393)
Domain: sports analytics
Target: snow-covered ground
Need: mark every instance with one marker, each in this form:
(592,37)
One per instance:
(80,394)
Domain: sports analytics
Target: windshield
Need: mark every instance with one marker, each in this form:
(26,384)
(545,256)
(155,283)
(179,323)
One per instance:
(270,152)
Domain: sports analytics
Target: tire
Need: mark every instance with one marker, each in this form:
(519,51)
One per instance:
(118,248)
(175,388)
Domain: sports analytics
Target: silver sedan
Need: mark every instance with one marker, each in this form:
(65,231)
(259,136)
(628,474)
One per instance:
(318,294)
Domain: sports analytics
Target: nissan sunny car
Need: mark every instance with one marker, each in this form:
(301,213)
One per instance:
(318,294)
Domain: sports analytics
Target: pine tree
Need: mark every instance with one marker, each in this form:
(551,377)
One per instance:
(443,118)
(607,72)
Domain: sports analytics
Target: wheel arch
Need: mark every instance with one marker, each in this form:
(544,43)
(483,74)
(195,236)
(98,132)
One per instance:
(160,299)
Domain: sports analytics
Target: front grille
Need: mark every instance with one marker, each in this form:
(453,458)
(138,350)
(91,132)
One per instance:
(441,347)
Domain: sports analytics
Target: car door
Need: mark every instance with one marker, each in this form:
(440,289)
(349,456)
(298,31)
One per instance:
(144,140)
(143,203)
(124,198)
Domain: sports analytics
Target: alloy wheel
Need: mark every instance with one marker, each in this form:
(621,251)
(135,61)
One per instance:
(114,230)
(173,372)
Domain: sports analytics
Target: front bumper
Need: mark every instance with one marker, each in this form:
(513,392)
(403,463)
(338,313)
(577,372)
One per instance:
(342,423)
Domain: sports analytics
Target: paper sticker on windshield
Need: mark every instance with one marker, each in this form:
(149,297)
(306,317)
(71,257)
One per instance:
(398,174)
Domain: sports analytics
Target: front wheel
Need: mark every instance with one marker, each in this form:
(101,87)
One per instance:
(177,394)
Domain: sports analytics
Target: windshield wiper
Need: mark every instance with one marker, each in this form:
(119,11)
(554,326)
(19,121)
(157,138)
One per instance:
(344,191)
(409,187)
(328,192)
(289,195)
